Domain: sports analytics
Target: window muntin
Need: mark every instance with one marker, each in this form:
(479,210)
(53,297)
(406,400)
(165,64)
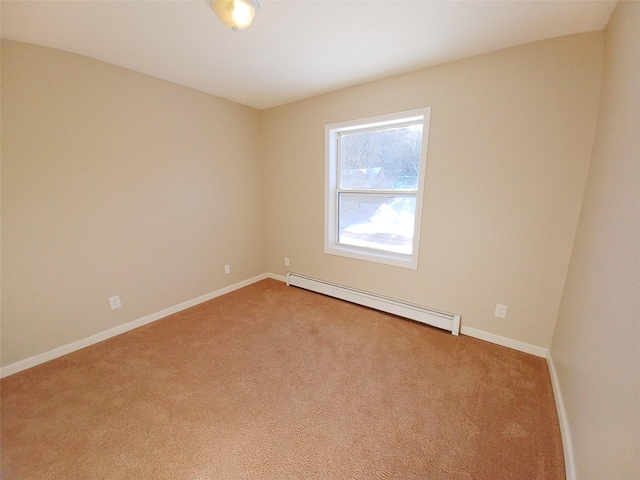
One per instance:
(375,178)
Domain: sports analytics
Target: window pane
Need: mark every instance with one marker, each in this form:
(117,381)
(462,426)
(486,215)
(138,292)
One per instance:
(387,159)
(384,222)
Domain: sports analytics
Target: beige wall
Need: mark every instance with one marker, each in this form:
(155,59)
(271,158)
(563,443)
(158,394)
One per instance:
(117,183)
(596,345)
(114,182)
(510,141)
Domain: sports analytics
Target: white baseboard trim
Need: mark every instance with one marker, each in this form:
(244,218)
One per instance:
(567,445)
(505,342)
(280,278)
(112,332)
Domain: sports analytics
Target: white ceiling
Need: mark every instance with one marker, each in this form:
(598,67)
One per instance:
(294,49)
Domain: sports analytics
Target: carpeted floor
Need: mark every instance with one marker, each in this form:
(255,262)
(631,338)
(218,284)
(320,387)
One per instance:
(273,382)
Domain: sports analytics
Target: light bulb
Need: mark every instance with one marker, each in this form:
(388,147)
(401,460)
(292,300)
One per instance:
(241,13)
(236,14)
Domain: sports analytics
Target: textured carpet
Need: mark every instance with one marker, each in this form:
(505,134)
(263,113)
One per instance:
(275,382)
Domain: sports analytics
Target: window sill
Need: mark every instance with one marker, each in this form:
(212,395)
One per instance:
(376,256)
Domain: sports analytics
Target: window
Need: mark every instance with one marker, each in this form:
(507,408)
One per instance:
(375,170)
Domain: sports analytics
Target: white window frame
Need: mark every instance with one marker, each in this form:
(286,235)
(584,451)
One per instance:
(332,133)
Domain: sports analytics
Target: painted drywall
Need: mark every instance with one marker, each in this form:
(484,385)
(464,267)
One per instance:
(114,182)
(596,344)
(509,147)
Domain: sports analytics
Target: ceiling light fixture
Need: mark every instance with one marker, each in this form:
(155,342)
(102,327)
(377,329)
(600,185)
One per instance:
(236,14)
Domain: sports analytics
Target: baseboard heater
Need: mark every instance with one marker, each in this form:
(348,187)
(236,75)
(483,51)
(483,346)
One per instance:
(446,321)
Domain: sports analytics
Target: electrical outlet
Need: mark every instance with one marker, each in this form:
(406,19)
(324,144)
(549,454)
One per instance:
(286,261)
(501,311)
(115,302)
(227,269)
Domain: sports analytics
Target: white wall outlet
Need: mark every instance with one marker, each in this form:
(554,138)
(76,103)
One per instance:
(286,261)
(227,269)
(501,311)
(115,302)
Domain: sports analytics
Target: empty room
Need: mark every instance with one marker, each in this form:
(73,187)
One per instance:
(302,239)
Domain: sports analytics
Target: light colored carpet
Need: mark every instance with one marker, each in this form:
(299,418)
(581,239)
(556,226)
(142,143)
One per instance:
(273,382)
